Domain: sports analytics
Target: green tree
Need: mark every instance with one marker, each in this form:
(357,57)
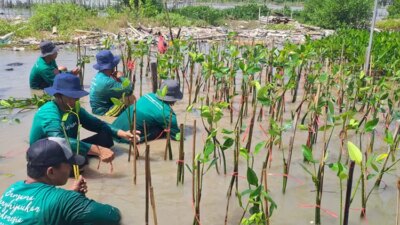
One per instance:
(394,10)
(334,14)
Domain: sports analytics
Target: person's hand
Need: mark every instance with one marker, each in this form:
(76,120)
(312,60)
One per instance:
(118,74)
(76,71)
(128,135)
(79,185)
(62,68)
(105,154)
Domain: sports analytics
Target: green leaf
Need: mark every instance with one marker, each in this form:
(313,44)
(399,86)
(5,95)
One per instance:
(116,101)
(354,153)
(370,125)
(243,152)
(209,148)
(164,91)
(125,83)
(303,127)
(370,176)
(16,120)
(225,131)
(65,117)
(260,146)
(178,136)
(227,143)
(252,177)
(5,103)
(189,108)
(389,137)
(307,154)
(381,157)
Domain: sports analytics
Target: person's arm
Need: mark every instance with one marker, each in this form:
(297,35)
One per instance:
(94,124)
(52,127)
(77,209)
(48,74)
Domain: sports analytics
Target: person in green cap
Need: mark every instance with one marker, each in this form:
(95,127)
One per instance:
(45,69)
(155,111)
(47,121)
(108,83)
(37,200)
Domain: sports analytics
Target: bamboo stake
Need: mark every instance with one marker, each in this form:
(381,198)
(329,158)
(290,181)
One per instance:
(181,158)
(135,150)
(168,149)
(147,172)
(398,202)
(193,159)
(151,190)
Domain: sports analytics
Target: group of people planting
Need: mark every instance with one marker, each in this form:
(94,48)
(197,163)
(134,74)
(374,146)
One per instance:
(55,144)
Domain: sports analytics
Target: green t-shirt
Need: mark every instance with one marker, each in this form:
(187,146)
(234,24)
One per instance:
(47,123)
(42,74)
(156,114)
(102,89)
(42,204)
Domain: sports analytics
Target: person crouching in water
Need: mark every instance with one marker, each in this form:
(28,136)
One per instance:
(45,69)
(48,121)
(37,200)
(107,84)
(155,111)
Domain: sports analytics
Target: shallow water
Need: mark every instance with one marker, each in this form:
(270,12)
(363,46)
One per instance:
(173,202)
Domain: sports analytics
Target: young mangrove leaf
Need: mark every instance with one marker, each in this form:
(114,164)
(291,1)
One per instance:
(272,203)
(188,167)
(178,136)
(307,154)
(252,177)
(381,157)
(116,101)
(227,143)
(389,137)
(354,153)
(65,117)
(225,131)
(370,125)
(243,152)
(260,146)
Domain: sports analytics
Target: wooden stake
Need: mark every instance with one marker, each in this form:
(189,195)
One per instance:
(193,158)
(135,150)
(147,174)
(398,202)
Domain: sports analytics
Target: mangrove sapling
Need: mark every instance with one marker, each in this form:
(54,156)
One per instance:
(168,148)
(140,50)
(81,60)
(75,112)
(355,158)
(194,57)
(256,194)
(181,158)
(213,114)
(198,171)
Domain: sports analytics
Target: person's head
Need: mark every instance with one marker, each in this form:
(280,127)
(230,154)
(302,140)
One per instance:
(106,62)
(49,160)
(67,90)
(174,92)
(48,50)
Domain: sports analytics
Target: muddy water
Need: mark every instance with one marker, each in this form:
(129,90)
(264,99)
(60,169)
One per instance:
(173,202)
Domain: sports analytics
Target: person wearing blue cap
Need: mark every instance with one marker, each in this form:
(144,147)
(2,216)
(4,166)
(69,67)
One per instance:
(45,69)
(47,121)
(37,200)
(155,111)
(107,84)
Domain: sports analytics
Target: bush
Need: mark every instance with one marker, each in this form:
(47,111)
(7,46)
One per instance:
(206,13)
(333,14)
(64,16)
(394,9)
(246,12)
(390,24)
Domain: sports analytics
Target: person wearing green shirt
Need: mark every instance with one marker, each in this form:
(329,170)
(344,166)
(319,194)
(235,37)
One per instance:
(47,121)
(155,111)
(45,69)
(38,201)
(108,83)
